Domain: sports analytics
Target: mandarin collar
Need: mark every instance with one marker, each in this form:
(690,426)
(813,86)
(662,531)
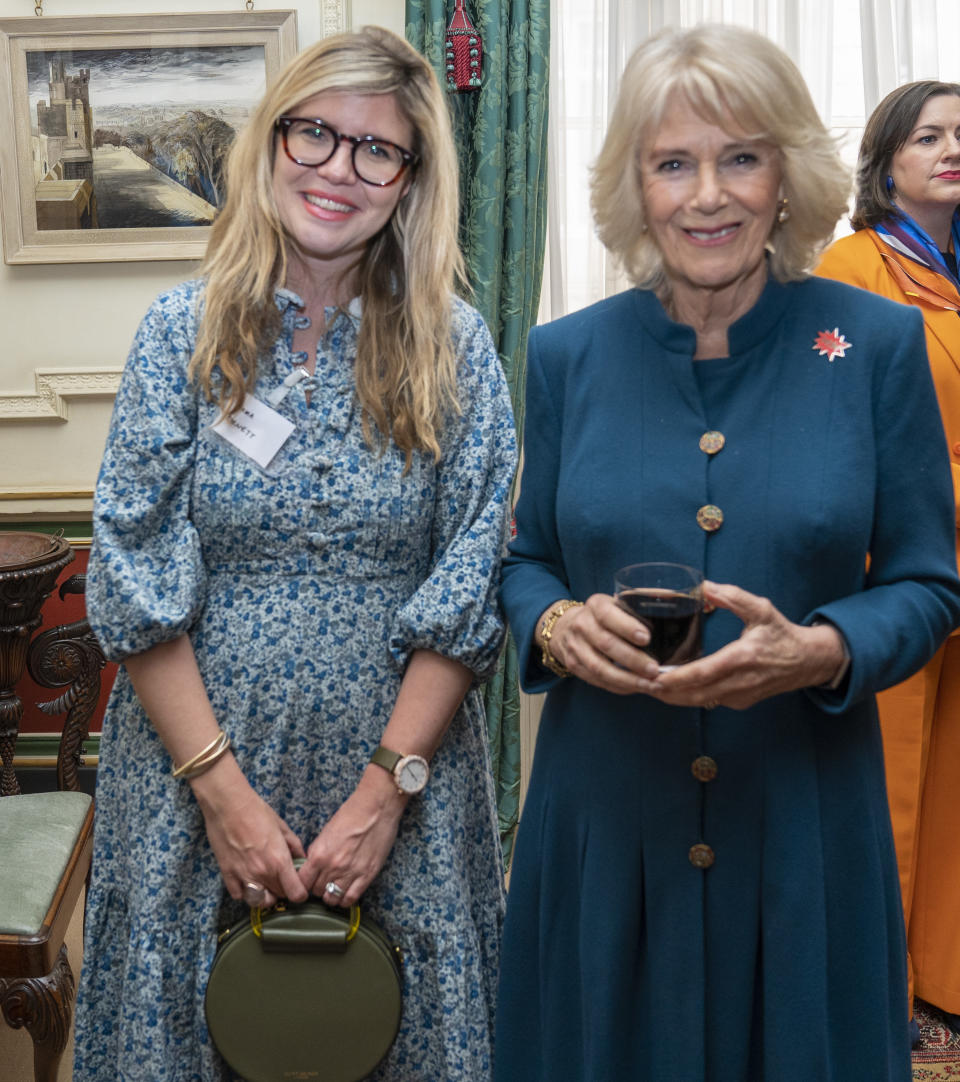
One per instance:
(285,299)
(752,329)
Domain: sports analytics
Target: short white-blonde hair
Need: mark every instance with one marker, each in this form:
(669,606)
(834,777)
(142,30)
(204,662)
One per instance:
(725,73)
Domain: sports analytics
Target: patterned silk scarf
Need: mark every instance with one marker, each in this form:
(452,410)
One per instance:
(905,236)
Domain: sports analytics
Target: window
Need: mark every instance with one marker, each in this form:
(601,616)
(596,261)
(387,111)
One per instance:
(851,54)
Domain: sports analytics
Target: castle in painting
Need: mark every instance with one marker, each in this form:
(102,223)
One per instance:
(137,164)
(63,153)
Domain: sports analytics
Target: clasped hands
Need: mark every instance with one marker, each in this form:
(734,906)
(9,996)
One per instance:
(253,844)
(602,644)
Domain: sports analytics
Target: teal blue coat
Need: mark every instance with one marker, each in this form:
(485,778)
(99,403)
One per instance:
(785,960)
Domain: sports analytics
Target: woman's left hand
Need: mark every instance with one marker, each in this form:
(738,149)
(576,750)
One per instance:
(771,656)
(353,846)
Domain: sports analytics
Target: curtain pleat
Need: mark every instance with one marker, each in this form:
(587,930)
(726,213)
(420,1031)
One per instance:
(501,134)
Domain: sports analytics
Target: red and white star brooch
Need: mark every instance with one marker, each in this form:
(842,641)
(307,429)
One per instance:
(831,343)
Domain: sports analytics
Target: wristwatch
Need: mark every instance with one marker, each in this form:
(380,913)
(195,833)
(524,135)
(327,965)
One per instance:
(410,772)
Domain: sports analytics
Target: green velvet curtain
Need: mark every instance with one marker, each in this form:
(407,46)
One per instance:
(501,133)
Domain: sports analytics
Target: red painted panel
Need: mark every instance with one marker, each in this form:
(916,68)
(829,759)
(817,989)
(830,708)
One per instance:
(57,612)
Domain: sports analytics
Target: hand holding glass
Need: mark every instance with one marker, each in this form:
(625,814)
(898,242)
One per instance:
(668,600)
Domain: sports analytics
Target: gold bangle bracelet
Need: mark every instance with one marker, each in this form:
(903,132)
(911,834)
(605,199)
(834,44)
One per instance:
(203,760)
(203,764)
(556,610)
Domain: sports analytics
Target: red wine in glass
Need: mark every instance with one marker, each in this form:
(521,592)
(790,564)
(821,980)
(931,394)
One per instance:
(673,619)
(668,599)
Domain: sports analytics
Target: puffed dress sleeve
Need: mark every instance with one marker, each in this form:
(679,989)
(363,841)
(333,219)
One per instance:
(455,611)
(910,602)
(146,576)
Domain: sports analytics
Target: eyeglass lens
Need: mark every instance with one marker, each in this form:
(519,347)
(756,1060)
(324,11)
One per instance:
(313,144)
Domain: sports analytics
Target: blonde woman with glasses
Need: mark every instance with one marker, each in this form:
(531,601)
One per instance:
(298,525)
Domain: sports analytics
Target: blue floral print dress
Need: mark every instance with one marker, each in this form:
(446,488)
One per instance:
(304,588)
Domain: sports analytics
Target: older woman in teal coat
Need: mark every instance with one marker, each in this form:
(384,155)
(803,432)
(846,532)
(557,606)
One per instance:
(704,885)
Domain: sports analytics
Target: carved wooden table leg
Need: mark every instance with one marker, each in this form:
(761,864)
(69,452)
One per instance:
(30,564)
(44,1007)
(11,711)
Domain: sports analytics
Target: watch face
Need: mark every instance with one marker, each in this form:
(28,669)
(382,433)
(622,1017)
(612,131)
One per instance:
(412,773)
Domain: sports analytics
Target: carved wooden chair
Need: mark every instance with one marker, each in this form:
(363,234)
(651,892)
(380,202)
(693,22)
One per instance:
(46,841)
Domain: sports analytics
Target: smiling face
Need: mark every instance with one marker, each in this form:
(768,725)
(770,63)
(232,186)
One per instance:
(710,201)
(328,212)
(926,169)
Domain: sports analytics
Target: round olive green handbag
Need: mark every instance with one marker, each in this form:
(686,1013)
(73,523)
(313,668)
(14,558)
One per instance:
(304,992)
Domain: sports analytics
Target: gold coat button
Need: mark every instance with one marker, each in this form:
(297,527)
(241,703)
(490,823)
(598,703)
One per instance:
(704,768)
(709,518)
(711,442)
(701,855)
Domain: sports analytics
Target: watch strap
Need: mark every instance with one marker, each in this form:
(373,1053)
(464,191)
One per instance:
(386,758)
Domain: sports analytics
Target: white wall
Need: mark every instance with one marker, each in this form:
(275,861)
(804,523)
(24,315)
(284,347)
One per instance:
(83,315)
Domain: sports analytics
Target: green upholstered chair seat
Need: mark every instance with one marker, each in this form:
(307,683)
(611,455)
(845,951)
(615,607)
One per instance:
(38,832)
(46,839)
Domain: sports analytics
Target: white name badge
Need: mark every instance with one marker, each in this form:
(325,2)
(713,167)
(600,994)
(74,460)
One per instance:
(256,430)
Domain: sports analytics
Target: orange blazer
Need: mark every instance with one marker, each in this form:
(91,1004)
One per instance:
(864,260)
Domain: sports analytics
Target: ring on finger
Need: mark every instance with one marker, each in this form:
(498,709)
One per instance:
(254,894)
(711,704)
(334,889)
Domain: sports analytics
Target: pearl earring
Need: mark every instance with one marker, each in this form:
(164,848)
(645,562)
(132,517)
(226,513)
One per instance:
(783,210)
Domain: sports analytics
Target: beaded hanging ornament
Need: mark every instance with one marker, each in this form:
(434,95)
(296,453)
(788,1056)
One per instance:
(464,52)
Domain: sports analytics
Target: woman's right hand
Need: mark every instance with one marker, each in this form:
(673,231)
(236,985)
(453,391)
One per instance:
(250,840)
(602,644)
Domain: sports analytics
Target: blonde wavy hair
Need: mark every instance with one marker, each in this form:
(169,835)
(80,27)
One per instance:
(724,73)
(405,368)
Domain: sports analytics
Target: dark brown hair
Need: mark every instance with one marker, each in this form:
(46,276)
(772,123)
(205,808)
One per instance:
(887,130)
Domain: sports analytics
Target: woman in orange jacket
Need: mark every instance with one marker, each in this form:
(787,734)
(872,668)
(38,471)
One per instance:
(905,247)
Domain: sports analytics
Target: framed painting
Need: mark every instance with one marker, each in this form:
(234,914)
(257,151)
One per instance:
(114,130)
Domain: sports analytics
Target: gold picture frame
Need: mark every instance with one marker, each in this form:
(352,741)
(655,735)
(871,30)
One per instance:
(133,173)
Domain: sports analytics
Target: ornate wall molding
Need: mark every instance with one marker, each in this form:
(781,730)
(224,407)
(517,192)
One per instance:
(334,16)
(54,388)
